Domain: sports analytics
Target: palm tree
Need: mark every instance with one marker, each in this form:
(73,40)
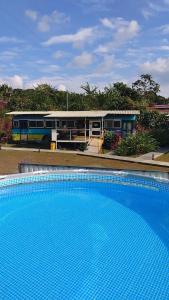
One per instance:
(88,89)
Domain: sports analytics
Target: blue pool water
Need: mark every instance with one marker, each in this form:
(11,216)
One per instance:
(85,240)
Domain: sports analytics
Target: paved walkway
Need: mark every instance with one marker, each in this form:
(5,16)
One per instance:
(154,155)
(140,160)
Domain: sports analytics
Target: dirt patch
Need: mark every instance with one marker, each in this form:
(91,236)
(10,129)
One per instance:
(9,161)
(164,157)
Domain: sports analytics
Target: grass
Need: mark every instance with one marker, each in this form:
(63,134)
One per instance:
(164,157)
(10,159)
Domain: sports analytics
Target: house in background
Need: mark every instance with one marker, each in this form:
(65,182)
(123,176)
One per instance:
(161,108)
(70,128)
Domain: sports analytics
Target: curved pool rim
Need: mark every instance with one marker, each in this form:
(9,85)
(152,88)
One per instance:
(93,285)
(85,174)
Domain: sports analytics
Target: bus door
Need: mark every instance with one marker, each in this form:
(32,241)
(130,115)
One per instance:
(23,124)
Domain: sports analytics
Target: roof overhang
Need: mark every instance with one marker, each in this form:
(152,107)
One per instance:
(18,113)
(90,114)
(76,114)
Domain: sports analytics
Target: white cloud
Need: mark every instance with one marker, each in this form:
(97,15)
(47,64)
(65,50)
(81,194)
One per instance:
(164,48)
(107,23)
(159,7)
(126,31)
(8,55)
(96,5)
(7,39)
(122,32)
(164,29)
(32,14)
(50,69)
(44,22)
(15,81)
(83,60)
(41,62)
(61,87)
(154,8)
(159,68)
(147,13)
(110,65)
(73,83)
(81,36)
(58,54)
(106,65)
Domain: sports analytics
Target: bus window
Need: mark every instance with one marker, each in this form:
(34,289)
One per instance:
(15,124)
(23,124)
(32,124)
(50,124)
(40,124)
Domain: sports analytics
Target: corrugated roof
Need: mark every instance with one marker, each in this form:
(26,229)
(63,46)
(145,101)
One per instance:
(160,106)
(30,113)
(72,114)
(93,114)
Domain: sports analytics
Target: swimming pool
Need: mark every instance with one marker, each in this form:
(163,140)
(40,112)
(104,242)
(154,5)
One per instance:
(84,236)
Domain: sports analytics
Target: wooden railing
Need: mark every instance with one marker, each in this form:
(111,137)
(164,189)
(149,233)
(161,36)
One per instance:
(72,134)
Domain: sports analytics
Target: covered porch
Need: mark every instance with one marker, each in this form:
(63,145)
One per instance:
(79,130)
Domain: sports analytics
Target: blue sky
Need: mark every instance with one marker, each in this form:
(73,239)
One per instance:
(67,43)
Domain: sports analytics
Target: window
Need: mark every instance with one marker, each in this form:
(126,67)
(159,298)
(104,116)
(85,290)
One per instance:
(40,124)
(96,125)
(23,124)
(117,124)
(70,124)
(36,124)
(50,124)
(111,124)
(64,124)
(15,124)
(32,124)
(108,123)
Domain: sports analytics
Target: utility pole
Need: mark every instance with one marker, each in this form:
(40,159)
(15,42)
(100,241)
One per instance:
(67,100)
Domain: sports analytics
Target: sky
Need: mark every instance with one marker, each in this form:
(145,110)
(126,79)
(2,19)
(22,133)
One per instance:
(67,43)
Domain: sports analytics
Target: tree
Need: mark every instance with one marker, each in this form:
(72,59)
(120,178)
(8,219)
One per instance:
(123,90)
(152,120)
(5,91)
(146,87)
(89,89)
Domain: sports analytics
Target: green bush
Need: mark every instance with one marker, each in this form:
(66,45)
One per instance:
(139,143)
(82,147)
(109,139)
(162,136)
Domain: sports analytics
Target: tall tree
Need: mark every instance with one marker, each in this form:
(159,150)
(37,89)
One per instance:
(146,86)
(89,89)
(122,90)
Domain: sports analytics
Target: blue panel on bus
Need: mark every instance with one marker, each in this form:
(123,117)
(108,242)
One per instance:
(32,131)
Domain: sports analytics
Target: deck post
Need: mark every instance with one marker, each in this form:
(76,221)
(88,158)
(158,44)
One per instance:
(102,126)
(85,129)
(56,133)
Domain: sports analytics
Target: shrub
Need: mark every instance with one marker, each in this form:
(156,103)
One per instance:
(82,147)
(161,135)
(109,139)
(139,143)
(152,120)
